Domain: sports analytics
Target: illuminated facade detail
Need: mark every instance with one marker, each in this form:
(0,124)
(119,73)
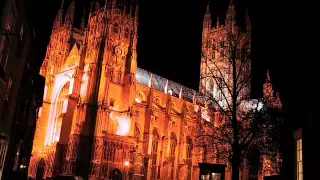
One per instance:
(103,117)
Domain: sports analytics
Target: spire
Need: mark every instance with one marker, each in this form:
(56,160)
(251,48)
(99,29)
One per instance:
(218,22)
(70,14)
(207,17)
(125,8)
(166,87)
(58,20)
(82,25)
(130,10)
(151,83)
(231,14)
(97,6)
(113,6)
(129,57)
(181,93)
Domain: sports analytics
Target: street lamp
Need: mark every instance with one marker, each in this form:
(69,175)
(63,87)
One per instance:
(126,163)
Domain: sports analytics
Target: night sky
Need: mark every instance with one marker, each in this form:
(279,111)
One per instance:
(169,44)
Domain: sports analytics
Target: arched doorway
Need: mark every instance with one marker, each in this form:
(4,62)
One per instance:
(116,174)
(40,170)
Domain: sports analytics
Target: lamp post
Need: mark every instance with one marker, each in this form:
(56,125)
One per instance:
(129,165)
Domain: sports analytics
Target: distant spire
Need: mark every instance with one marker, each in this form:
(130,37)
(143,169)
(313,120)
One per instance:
(70,14)
(194,99)
(181,93)
(151,84)
(218,22)
(97,6)
(58,21)
(231,14)
(124,8)
(207,17)
(208,7)
(113,4)
(166,87)
(130,10)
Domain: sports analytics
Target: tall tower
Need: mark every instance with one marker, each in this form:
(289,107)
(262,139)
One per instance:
(90,71)
(215,72)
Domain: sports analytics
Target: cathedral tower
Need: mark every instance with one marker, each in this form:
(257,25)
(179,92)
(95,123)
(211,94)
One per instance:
(89,67)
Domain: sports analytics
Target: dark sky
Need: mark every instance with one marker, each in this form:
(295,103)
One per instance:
(170,40)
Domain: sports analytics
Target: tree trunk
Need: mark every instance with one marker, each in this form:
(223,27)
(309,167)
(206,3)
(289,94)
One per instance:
(236,152)
(235,163)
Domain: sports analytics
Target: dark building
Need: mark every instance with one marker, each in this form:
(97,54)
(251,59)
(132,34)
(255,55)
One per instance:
(21,87)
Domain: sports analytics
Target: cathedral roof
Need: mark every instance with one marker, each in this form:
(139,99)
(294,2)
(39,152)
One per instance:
(143,77)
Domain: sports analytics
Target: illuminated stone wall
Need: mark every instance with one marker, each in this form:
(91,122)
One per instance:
(100,109)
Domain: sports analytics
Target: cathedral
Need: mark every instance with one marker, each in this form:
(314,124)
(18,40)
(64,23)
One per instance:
(103,117)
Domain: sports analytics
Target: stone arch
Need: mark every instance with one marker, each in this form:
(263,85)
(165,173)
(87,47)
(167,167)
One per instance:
(140,96)
(62,88)
(40,171)
(155,133)
(157,100)
(115,174)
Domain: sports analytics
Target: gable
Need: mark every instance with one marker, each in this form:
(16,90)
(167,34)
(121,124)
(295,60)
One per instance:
(73,58)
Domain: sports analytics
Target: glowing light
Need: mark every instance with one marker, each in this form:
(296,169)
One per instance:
(138,100)
(123,123)
(205,115)
(126,163)
(170,92)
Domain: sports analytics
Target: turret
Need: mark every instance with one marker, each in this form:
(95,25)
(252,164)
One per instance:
(231,15)
(70,14)
(58,21)
(207,18)
(129,57)
(97,6)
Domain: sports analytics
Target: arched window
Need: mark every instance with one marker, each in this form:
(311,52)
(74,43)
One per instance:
(173,145)
(189,155)
(115,28)
(189,148)
(154,150)
(137,133)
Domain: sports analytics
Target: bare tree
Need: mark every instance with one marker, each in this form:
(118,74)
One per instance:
(240,123)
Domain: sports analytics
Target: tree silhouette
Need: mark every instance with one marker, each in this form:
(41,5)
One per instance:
(241,124)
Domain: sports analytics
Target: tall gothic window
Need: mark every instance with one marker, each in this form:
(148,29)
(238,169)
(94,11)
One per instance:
(154,150)
(173,146)
(189,148)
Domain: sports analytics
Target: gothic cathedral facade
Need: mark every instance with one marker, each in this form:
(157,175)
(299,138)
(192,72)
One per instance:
(102,116)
